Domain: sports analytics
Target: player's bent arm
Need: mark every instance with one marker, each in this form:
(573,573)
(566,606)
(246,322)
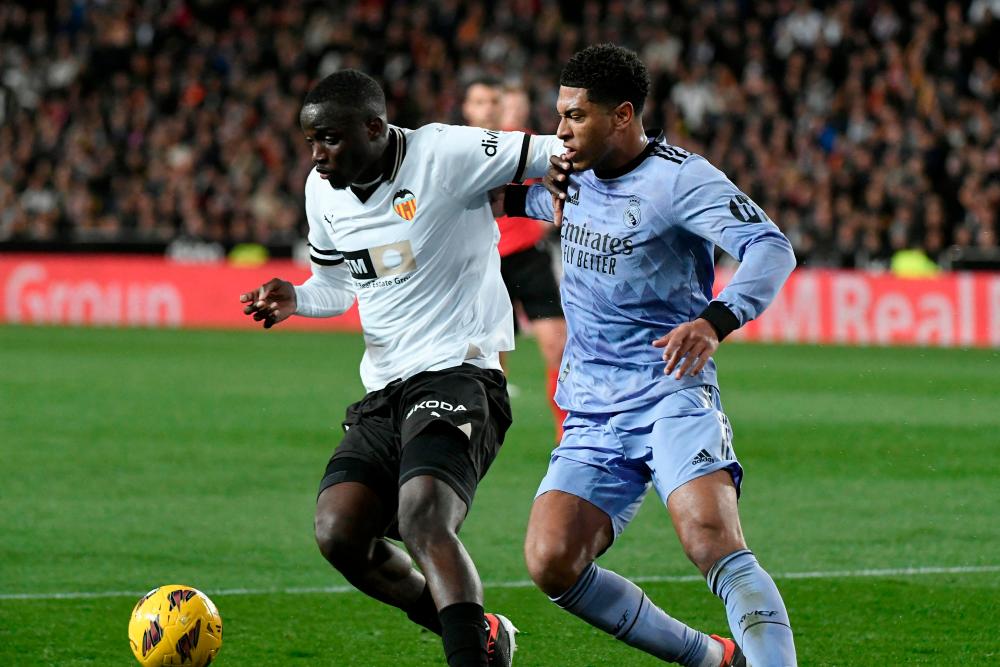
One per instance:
(766,264)
(328,292)
(708,204)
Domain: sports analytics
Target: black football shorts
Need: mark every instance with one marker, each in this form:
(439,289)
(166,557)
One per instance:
(531,281)
(379,428)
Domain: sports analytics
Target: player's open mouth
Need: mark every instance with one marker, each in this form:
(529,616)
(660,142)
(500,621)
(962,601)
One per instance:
(568,153)
(325,175)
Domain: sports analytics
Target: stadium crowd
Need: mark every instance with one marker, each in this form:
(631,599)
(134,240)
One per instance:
(863,127)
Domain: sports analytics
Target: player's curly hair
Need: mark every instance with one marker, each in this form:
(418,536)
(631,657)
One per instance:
(611,75)
(351,89)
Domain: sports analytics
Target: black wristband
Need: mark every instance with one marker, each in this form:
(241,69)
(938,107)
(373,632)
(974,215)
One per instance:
(515,199)
(721,318)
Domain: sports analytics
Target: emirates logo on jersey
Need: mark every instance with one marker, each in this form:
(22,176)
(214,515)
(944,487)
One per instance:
(405,204)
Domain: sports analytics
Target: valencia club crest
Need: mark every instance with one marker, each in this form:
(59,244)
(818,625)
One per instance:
(405,204)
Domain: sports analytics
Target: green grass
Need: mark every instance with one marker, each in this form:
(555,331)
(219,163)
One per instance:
(133,458)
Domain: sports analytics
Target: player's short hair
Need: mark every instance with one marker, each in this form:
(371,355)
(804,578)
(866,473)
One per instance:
(349,88)
(482,80)
(610,74)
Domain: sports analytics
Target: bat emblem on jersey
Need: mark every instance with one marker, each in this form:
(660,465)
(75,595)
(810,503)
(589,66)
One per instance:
(633,214)
(405,204)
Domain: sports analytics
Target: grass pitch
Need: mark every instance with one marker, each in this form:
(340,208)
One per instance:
(136,458)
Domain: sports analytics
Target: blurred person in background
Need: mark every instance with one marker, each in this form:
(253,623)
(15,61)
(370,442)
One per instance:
(525,262)
(515,109)
(800,102)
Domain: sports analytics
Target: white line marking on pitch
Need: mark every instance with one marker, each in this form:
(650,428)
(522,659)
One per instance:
(524,583)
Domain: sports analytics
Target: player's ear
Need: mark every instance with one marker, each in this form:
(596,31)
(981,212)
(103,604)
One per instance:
(623,114)
(376,127)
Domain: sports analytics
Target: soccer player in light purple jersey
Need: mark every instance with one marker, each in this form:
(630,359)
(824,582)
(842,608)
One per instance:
(639,222)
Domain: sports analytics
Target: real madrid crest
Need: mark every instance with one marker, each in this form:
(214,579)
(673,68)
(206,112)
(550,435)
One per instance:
(405,204)
(633,215)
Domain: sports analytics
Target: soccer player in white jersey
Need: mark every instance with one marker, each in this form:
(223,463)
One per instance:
(400,220)
(639,221)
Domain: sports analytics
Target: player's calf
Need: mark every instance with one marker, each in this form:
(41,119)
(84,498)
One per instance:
(616,605)
(756,612)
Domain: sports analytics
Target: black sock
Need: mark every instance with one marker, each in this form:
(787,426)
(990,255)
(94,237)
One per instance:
(463,632)
(423,612)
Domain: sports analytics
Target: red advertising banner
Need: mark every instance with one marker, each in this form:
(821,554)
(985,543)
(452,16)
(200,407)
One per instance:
(815,306)
(116,290)
(853,307)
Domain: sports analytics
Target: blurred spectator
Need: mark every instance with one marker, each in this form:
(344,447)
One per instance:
(864,127)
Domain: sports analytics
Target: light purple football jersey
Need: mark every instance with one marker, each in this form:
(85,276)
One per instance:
(637,256)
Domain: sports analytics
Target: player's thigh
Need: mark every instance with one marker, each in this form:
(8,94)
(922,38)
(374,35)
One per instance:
(453,424)
(358,493)
(591,465)
(550,333)
(694,468)
(429,506)
(706,517)
(685,436)
(567,527)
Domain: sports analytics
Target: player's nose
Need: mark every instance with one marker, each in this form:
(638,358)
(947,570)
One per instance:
(563,131)
(319,153)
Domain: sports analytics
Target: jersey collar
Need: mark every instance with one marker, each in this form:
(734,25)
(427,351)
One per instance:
(655,137)
(392,160)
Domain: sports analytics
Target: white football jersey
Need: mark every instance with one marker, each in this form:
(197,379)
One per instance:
(420,251)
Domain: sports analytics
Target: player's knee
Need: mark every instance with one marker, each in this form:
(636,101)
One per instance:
(337,545)
(553,565)
(421,527)
(705,542)
(430,512)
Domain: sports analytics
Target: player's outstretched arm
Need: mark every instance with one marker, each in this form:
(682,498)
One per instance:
(688,347)
(271,303)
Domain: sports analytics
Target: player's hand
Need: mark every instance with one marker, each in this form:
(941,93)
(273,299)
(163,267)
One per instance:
(556,181)
(271,303)
(688,347)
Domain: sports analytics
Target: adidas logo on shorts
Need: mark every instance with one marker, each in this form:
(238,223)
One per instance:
(703,457)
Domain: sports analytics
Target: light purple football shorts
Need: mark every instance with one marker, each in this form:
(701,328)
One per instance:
(611,460)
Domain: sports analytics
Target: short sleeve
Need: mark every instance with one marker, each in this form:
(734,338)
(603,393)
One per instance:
(470,160)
